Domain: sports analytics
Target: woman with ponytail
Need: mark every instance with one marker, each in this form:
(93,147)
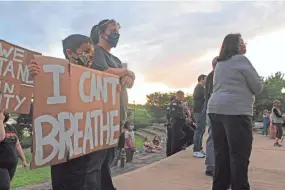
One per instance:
(105,36)
(10,150)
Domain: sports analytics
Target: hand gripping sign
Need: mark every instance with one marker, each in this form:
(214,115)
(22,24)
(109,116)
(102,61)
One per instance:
(76,111)
(16,87)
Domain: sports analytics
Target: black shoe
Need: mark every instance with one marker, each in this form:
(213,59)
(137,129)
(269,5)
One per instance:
(209,173)
(277,145)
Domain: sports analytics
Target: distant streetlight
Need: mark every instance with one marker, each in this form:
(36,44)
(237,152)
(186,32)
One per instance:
(283,90)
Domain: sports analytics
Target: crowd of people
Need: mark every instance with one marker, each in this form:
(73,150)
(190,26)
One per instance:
(223,99)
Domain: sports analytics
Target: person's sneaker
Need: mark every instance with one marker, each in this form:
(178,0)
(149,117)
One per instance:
(277,145)
(198,155)
(203,152)
(209,173)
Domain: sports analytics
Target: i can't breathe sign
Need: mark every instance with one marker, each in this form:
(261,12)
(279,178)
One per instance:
(76,111)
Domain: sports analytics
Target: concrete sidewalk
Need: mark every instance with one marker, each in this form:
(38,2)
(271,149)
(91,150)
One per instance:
(184,172)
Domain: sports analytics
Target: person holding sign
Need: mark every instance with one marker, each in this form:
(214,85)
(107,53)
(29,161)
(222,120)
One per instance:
(105,36)
(10,150)
(84,172)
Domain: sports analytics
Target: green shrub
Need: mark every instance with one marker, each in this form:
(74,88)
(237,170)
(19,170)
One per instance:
(139,125)
(159,120)
(26,142)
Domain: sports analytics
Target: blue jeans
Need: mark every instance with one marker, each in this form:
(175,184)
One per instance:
(200,119)
(210,154)
(265,129)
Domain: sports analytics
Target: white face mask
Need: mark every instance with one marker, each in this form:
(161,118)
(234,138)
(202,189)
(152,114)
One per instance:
(132,127)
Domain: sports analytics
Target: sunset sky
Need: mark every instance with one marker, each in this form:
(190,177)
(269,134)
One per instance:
(167,44)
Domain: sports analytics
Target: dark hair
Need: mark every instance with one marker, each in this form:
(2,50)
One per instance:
(172,98)
(100,27)
(126,124)
(7,117)
(230,47)
(179,92)
(214,62)
(73,42)
(201,77)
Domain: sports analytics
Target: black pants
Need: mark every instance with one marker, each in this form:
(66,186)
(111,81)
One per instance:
(129,154)
(176,132)
(6,176)
(232,135)
(189,135)
(279,130)
(169,139)
(106,180)
(82,173)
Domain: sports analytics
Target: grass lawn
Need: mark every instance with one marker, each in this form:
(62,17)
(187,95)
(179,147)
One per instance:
(26,176)
(139,142)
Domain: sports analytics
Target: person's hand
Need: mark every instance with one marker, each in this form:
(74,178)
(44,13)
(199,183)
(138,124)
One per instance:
(119,88)
(126,80)
(131,74)
(2,117)
(34,68)
(24,164)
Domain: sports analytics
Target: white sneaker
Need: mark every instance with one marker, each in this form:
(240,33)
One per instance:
(198,155)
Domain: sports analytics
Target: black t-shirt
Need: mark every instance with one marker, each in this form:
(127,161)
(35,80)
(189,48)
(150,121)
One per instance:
(198,98)
(121,142)
(8,151)
(102,61)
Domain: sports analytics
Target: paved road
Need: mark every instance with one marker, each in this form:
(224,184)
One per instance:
(184,172)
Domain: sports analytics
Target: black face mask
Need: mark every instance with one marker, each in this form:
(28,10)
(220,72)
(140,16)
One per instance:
(83,60)
(113,39)
(7,117)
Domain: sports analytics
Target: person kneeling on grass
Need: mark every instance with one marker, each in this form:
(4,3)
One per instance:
(154,146)
(10,150)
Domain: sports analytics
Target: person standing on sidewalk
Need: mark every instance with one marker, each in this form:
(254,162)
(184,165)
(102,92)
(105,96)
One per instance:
(105,37)
(266,122)
(200,118)
(230,109)
(177,122)
(277,119)
(210,156)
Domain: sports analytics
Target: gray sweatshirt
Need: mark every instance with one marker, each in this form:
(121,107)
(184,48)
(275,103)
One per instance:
(235,84)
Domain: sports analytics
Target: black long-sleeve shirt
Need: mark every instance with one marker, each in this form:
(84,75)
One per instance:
(209,87)
(199,99)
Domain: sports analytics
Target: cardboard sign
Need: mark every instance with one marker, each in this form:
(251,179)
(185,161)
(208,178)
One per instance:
(76,111)
(15,83)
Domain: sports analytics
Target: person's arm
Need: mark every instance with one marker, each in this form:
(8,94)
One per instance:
(100,63)
(126,80)
(2,132)
(2,129)
(275,111)
(128,139)
(254,81)
(21,154)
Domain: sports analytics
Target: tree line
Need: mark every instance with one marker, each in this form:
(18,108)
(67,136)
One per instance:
(273,85)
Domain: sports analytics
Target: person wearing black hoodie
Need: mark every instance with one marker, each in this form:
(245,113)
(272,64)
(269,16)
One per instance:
(210,157)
